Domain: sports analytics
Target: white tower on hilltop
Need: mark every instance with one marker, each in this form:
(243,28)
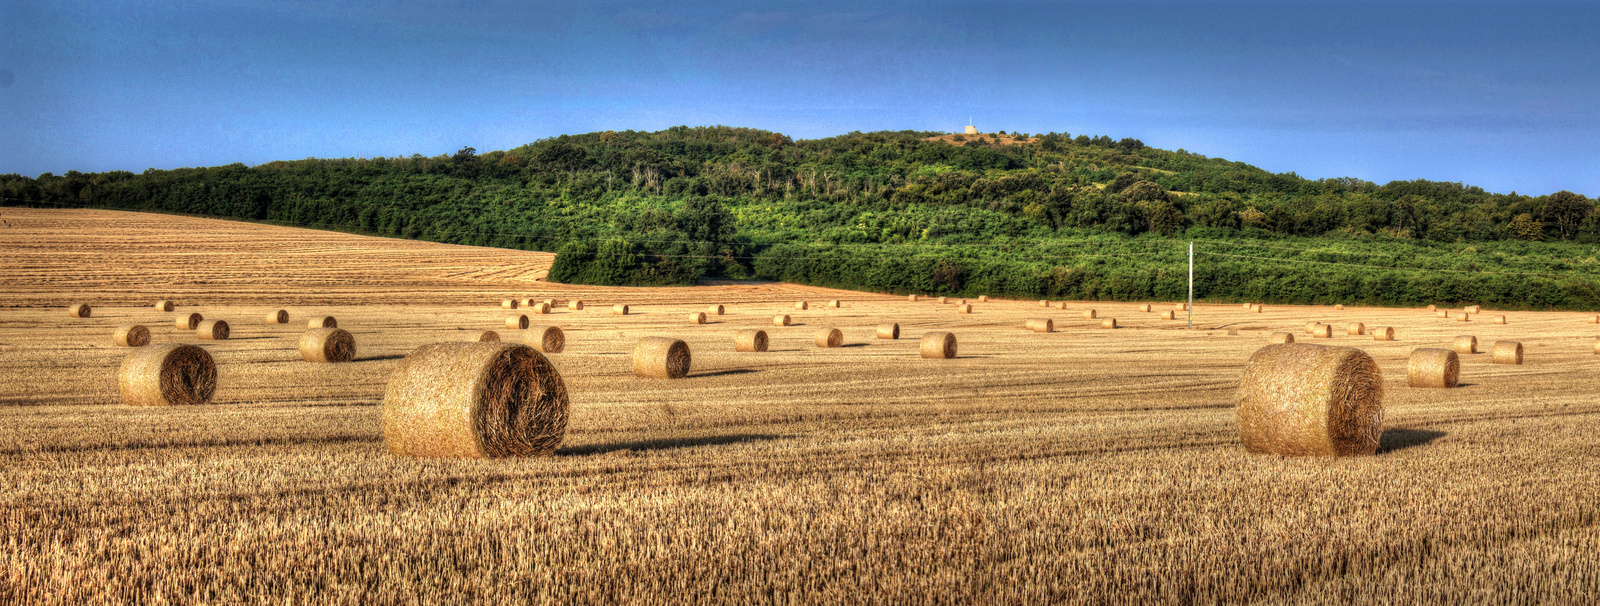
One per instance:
(971,130)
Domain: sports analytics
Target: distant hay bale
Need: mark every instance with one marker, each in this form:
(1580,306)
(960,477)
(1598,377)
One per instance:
(1144,307)
(167,375)
(1311,327)
(1310,400)
(834,303)
(1338,307)
(1255,309)
(547,339)
(1507,352)
(1089,314)
(189,321)
(487,336)
(750,340)
(983,298)
(802,305)
(1039,324)
(508,304)
(1594,319)
(698,317)
(327,345)
(1463,317)
(1169,315)
(661,358)
(1499,319)
(1597,348)
(474,400)
(1466,344)
(1432,307)
(1108,323)
(1383,333)
(1180,307)
(540,308)
(278,316)
(212,330)
(941,300)
(1061,305)
(1472,309)
(1436,368)
(551,303)
(938,345)
(517,322)
(163,305)
(890,331)
(1355,328)
(1282,337)
(1323,331)
(525,303)
(322,322)
(715,310)
(829,337)
(619,310)
(1043,303)
(575,305)
(1443,313)
(912,298)
(780,320)
(131,335)
(79,310)
(964,308)
(961,302)
(1247,306)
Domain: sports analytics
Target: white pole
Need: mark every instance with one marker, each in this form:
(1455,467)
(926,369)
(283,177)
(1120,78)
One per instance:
(1191,286)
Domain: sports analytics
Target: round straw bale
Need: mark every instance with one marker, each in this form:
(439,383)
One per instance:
(1299,399)
(518,322)
(1039,324)
(1507,352)
(780,320)
(1283,337)
(212,330)
(1338,307)
(547,339)
(540,307)
(79,310)
(327,345)
(964,308)
(1443,313)
(1108,323)
(1432,307)
(698,317)
(938,345)
(1597,348)
(525,302)
(947,300)
(322,322)
(715,310)
(474,400)
(575,305)
(830,337)
(1499,319)
(1355,328)
(889,331)
(167,375)
(1043,303)
(750,339)
(1594,319)
(278,316)
(508,304)
(1430,367)
(1145,307)
(1466,344)
(488,336)
(1255,309)
(1463,317)
(802,305)
(188,321)
(163,305)
(1472,309)
(131,335)
(1180,307)
(1247,306)
(1311,327)
(661,358)
(983,298)
(551,303)
(1169,315)
(1061,305)
(1383,333)
(1089,313)
(961,302)
(834,303)
(619,310)
(912,298)
(1323,331)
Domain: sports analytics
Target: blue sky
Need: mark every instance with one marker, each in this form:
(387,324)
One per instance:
(1501,95)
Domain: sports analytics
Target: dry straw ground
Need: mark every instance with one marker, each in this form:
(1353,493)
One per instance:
(1080,466)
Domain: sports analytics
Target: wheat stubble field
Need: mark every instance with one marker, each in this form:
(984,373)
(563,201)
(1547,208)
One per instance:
(1081,466)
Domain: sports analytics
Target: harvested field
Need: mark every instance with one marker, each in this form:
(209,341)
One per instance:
(1078,466)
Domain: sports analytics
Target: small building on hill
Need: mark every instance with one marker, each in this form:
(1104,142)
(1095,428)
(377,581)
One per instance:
(972,130)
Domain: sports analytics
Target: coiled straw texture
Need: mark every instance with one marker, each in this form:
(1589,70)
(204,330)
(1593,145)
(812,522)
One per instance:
(517,322)
(830,337)
(715,310)
(1039,324)
(780,320)
(212,330)
(1355,328)
(1300,399)
(1089,314)
(508,304)
(327,345)
(278,316)
(1108,323)
(79,310)
(750,340)
(474,400)
(163,305)
(487,336)
(889,331)
(938,345)
(661,358)
(547,339)
(1507,352)
(1466,344)
(322,322)
(802,305)
(1383,333)
(1429,367)
(189,321)
(131,335)
(619,310)
(167,375)
(575,305)
(698,317)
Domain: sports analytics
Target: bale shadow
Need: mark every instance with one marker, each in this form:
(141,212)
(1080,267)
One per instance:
(377,358)
(664,444)
(1400,439)
(719,373)
(854,345)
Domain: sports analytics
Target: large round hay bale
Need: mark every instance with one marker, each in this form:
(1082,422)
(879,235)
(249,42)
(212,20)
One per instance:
(834,304)
(167,375)
(1355,328)
(1089,314)
(487,336)
(131,335)
(575,305)
(526,302)
(163,305)
(212,330)
(938,345)
(802,305)
(1473,309)
(698,317)
(715,310)
(964,308)
(540,307)
(1043,303)
(1255,309)
(1323,331)
(327,345)
(661,358)
(1442,313)
(1428,367)
(1282,337)
(1499,319)
(1383,333)
(1039,324)
(780,320)
(983,298)
(829,337)
(549,302)
(1312,327)
(1144,307)
(547,339)
(517,322)
(1299,399)
(278,316)
(750,340)
(889,331)
(1169,315)
(322,322)
(1507,352)
(188,321)
(912,298)
(474,400)
(619,310)
(947,300)
(1108,323)
(1463,317)
(79,310)
(1338,307)
(1465,344)
(508,304)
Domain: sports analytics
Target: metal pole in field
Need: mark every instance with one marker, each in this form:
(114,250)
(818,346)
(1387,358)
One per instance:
(1191,286)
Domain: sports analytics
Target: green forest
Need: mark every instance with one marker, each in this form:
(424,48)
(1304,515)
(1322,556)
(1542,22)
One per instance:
(1029,215)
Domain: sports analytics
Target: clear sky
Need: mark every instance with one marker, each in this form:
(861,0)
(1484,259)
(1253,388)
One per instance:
(1502,95)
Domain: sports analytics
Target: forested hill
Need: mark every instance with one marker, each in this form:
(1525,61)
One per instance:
(1051,215)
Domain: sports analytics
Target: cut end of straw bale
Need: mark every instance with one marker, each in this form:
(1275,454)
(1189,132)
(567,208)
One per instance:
(322,322)
(79,310)
(517,322)
(834,304)
(212,330)
(780,320)
(508,304)
(1507,352)
(575,305)
(163,305)
(327,345)
(547,339)
(698,317)
(1383,333)
(830,337)
(889,331)
(1089,314)
(488,336)
(1436,368)
(278,316)
(167,375)
(1039,324)
(131,335)
(1466,344)
(1283,337)
(1499,320)
(619,310)
(1310,400)
(750,340)
(1108,323)
(661,358)
(715,310)
(938,345)
(474,400)
(802,305)
(1355,328)
(188,321)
